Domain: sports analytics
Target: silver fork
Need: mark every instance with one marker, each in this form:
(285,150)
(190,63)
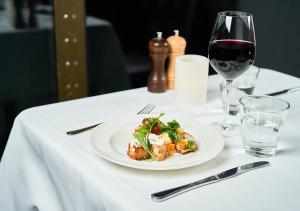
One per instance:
(146,110)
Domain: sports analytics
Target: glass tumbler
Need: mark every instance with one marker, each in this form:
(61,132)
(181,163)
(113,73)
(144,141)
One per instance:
(242,86)
(262,119)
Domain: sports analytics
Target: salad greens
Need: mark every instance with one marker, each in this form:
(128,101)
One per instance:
(142,136)
(155,126)
(143,132)
(171,129)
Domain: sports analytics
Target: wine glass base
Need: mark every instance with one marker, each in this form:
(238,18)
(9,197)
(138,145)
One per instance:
(228,129)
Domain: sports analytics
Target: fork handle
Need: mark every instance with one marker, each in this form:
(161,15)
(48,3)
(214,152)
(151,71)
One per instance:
(74,132)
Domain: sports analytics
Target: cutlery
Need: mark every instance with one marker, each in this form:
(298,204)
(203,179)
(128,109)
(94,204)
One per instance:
(77,131)
(290,90)
(145,110)
(166,194)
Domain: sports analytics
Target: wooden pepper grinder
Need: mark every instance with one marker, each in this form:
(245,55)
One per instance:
(177,46)
(158,52)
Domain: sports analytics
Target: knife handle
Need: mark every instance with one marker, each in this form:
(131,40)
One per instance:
(166,194)
(290,90)
(278,93)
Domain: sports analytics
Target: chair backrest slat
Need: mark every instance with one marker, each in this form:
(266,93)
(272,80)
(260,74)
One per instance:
(69,24)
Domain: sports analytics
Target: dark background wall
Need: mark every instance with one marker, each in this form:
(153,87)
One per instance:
(137,21)
(276,23)
(277,26)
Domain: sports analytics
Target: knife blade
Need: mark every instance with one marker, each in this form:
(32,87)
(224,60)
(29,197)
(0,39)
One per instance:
(169,193)
(290,90)
(74,132)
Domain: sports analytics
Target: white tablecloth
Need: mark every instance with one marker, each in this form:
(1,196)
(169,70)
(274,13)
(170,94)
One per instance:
(45,169)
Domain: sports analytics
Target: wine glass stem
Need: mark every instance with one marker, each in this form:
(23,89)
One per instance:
(228,92)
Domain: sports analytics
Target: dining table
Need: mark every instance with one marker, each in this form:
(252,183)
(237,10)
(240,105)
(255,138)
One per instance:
(43,168)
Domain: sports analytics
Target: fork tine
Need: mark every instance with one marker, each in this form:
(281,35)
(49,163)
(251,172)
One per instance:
(142,110)
(151,108)
(147,109)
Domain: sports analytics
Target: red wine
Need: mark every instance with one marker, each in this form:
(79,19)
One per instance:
(231,58)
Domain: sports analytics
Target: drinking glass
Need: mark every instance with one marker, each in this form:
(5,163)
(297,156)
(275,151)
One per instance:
(242,86)
(231,51)
(262,119)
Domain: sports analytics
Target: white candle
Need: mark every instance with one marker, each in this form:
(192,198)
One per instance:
(191,75)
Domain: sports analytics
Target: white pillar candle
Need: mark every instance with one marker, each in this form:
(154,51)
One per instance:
(191,75)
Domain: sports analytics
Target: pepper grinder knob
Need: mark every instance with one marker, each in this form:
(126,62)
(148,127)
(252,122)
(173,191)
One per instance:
(159,35)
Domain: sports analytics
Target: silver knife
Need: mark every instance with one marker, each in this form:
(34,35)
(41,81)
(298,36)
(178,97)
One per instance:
(166,194)
(290,90)
(74,132)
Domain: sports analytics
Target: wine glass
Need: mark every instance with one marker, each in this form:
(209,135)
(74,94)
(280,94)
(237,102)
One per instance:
(231,51)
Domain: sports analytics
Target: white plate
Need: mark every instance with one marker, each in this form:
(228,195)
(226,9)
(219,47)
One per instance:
(110,141)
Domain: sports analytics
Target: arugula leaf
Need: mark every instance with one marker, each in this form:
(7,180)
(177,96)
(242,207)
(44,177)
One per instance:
(172,135)
(142,133)
(142,136)
(171,130)
(174,124)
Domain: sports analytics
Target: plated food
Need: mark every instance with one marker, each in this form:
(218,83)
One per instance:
(110,142)
(154,139)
